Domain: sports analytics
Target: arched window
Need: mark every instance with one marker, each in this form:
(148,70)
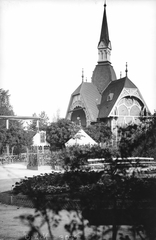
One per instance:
(122,110)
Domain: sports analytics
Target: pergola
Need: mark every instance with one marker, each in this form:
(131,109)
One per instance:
(7,118)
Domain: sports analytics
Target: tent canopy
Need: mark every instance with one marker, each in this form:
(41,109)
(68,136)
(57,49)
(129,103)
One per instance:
(80,138)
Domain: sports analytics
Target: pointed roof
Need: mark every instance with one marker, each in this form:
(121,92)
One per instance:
(80,138)
(90,96)
(104,29)
(114,88)
(103,74)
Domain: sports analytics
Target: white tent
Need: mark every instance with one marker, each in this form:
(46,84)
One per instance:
(80,138)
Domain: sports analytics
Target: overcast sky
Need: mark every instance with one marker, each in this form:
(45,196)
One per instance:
(44,44)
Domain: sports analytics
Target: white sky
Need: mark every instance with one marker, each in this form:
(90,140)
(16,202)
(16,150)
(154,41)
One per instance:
(44,44)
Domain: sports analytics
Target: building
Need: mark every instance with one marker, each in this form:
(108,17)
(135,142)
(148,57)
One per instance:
(106,98)
(39,142)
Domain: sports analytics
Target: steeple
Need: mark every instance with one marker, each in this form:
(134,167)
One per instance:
(103,73)
(104,46)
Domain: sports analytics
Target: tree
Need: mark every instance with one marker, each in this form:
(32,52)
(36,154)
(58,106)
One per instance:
(6,110)
(5,107)
(43,122)
(100,132)
(126,197)
(58,133)
(24,140)
(2,139)
(16,138)
(139,140)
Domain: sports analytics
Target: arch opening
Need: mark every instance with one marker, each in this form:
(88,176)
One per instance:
(79,117)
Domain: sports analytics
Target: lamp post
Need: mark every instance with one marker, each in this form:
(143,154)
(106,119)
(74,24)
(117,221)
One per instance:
(7,145)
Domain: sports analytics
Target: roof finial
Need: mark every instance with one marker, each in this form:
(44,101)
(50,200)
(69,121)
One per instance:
(120,74)
(82,75)
(126,69)
(105,4)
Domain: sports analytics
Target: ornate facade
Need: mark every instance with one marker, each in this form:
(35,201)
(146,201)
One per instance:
(106,98)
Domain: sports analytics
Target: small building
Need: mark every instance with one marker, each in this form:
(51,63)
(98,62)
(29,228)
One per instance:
(39,141)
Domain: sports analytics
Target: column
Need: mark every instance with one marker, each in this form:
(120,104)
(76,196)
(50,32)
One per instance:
(7,145)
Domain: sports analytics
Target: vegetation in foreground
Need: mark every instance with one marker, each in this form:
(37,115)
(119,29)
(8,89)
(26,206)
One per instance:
(109,197)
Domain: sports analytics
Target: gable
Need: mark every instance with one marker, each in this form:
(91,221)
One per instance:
(112,93)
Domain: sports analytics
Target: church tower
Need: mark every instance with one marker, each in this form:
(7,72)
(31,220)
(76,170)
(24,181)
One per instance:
(106,98)
(103,73)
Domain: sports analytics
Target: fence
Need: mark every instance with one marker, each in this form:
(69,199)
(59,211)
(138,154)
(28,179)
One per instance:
(43,158)
(132,163)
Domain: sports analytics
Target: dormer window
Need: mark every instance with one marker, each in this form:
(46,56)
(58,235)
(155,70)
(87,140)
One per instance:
(76,98)
(110,96)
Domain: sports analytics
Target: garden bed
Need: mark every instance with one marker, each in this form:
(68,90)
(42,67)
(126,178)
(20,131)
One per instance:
(88,189)
(16,200)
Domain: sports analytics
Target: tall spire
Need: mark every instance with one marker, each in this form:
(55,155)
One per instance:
(104,46)
(104,29)
(103,73)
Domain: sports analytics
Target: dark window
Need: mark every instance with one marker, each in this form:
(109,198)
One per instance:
(42,137)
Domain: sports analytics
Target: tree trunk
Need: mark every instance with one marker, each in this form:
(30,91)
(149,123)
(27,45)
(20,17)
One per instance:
(27,155)
(115,228)
(12,150)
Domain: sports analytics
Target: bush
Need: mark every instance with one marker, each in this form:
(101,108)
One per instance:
(76,157)
(90,185)
(55,182)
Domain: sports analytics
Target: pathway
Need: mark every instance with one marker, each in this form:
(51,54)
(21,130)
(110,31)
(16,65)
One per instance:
(11,173)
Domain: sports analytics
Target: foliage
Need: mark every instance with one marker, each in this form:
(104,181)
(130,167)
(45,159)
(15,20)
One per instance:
(16,137)
(2,139)
(5,107)
(139,140)
(97,185)
(43,122)
(90,194)
(56,182)
(76,156)
(96,196)
(100,132)
(58,133)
